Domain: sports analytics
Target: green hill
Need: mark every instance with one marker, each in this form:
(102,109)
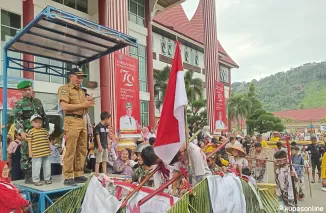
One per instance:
(297,88)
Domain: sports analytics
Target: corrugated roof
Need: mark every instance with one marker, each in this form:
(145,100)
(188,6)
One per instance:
(313,114)
(175,18)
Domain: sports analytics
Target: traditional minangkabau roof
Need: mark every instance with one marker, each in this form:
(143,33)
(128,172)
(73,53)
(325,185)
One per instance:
(176,19)
(313,114)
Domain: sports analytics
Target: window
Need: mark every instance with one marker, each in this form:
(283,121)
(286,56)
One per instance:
(144,113)
(80,5)
(192,57)
(136,10)
(140,54)
(42,76)
(10,25)
(163,47)
(196,59)
(187,57)
(171,49)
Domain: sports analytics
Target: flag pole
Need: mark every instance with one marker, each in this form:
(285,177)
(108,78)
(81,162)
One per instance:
(187,143)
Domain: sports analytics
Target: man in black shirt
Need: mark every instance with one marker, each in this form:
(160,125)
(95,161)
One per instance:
(315,156)
(102,142)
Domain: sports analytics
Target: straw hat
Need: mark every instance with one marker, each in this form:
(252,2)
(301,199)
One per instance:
(238,147)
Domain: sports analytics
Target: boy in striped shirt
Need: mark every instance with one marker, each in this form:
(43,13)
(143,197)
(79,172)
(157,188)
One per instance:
(39,151)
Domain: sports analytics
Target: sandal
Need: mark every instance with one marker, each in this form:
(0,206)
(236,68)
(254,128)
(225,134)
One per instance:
(39,183)
(313,181)
(319,181)
(48,182)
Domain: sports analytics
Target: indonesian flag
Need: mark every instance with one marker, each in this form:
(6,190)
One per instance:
(171,129)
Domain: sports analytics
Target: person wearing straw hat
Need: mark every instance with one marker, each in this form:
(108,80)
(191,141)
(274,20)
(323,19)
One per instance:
(237,160)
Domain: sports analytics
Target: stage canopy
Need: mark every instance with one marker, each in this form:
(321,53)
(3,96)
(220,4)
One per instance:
(62,36)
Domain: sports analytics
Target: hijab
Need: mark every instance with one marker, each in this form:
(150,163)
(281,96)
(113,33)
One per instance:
(2,166)
(120,163)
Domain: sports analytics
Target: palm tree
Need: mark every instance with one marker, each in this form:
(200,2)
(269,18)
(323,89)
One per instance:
(160,84)
(238,108)
(194,86)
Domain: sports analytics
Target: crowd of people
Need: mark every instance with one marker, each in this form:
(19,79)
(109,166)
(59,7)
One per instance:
(35,155)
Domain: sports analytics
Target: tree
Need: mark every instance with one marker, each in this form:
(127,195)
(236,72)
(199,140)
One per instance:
(194,86)
(238,108)
(262,121)
(255,104)
(197,114)
(323,120)
(160,84)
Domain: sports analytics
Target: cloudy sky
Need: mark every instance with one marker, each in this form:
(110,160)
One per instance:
(269,36)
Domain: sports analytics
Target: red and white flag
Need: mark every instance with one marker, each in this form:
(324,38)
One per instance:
(171,130)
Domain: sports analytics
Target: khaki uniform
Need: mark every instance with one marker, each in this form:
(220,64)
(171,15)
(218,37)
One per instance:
(75,130)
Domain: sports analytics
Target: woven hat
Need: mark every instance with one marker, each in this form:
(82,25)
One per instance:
(238,147)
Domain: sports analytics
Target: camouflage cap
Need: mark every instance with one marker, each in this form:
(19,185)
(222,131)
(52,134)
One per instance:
(128,105)
(77,71)
(24,84)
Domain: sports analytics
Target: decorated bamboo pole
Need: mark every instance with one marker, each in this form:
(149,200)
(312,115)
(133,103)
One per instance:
(217,149)
(273,161)
(162,187)
(291,169)
(124,203)
(187,143)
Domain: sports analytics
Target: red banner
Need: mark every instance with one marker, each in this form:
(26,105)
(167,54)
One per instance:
(127,94)
(220,112)
(13,96)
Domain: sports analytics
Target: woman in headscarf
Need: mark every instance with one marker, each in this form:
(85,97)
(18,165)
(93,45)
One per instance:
(121,165)
(10,198)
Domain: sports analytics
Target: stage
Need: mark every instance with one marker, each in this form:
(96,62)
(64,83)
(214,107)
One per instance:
(45,193)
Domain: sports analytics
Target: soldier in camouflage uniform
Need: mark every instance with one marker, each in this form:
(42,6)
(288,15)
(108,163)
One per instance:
(24,108)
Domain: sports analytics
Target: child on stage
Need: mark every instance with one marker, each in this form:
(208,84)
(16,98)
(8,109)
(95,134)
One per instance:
(39,150)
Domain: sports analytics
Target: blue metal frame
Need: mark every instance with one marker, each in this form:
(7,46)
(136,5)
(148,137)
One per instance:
(43,195)
(60,17)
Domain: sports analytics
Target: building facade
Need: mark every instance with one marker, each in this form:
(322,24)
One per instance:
(128,16)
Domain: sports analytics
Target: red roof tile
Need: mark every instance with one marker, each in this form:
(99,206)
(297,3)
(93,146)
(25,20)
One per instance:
(176,19)
(313,114)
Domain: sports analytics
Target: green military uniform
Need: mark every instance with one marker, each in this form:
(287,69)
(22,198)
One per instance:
(139,174)
(23,110)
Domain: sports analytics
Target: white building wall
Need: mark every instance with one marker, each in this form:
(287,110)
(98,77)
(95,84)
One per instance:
(159,65)
(137,31)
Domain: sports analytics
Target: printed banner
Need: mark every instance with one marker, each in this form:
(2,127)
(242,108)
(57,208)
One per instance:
(127,94)
(220,113)
(13,96)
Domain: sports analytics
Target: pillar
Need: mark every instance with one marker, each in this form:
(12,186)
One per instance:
(104,61)
(211,57)
(150,71)
(230,93)
(28,16)
(112,14)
